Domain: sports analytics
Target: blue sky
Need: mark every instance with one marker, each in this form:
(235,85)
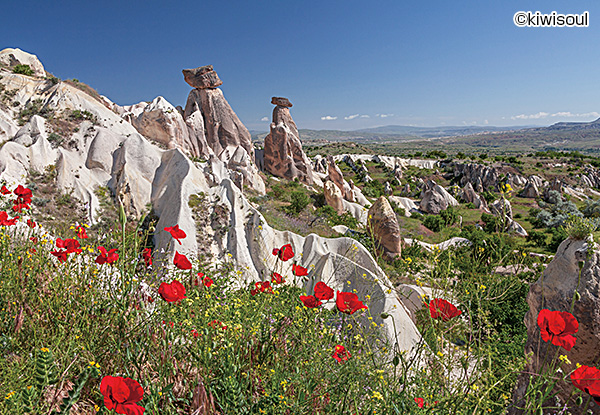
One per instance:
(343,64)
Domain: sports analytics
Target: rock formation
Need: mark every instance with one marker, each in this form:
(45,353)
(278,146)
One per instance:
(556,291)
(469,195)
(333,196)
(284,156)
(485,177)
(383,225)
(531,190)
(405,203)
(11,57)
(435,198)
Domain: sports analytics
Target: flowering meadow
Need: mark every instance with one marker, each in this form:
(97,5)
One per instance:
(93,323)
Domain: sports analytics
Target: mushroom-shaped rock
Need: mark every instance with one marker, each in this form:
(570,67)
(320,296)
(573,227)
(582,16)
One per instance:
(284,156)
(282,102)
(202,77)
(383,224)
(13,57)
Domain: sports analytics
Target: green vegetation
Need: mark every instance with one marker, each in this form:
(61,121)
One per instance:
(23,70)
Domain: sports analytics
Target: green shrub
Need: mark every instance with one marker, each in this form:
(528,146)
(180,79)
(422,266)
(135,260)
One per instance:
(537,238)
(299,200)
(450,216)
(434,222)
(23,70)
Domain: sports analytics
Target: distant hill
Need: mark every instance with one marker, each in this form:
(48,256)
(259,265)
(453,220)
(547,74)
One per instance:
(394,132)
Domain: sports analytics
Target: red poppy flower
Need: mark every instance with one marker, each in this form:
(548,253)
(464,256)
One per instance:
(71,245)
(60,255)
(121,394)
(262,286)
(323,292)
(106,257)
(31,223)
(4,190)
(277,278)
(81,232)
(284,253)
(420,402)
(217,324)
(176,233)
(195,333)
(341,354)
(310,301)
(558,326)
(440,308)
(172,292)
(34,239)
(181,261)
(299,271)
(348,302)
(4,221)
(147,254)
(23,194)
(587,379)
(207,281)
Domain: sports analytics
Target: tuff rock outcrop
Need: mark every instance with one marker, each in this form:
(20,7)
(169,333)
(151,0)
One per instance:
(531,190)
(333,196)
(469,195)
(11,57)
(284,156)
(435,198)
(556,291)
(485,177)
(383,225)
(405,203)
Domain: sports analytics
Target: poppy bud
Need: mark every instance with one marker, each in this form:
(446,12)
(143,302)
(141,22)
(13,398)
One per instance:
(384,315)
(577,296)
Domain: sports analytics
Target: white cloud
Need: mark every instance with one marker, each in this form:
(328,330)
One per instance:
(264,119)
(563,114)
(384,115)
(351,117)
(328,118)
(486,122)
(365,116)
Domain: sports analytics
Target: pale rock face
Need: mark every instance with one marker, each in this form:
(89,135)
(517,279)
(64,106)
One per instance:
(284,156)
(30,132)
(469,195)
(320,164)
(554,291)
(336,176)
(222,127)
(333,196)
(405,203)
(12,57)
(387,189)
(531,190)
(383,224)
(160,121)
(435,199)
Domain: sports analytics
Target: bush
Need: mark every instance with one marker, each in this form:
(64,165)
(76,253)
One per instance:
(450,216)
(299,200)
(23,70)
(491,223)
(592,209)
(488,196)
(434,222)
(537,238)
(558,235)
